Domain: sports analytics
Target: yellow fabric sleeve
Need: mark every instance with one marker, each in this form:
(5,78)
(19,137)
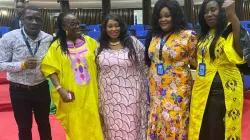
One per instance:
(192,47)
(230,52)
(51,63)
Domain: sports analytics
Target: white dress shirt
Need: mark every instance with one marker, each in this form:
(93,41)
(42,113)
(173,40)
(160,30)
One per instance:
(13,51)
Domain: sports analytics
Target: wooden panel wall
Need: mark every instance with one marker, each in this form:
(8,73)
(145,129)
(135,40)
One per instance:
(196,13)
(127,14)
(246,10)
(94,16)
(5,20)
(239,9)
(188,8)
(87,16)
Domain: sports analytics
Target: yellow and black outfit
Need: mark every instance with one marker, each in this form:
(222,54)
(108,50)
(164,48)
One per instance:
(217,97)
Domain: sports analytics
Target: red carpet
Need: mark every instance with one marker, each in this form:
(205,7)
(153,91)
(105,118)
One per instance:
(246,120)
(5,104)
(247,86)
(8,128)
(3,78)
(247,94)
(4,93)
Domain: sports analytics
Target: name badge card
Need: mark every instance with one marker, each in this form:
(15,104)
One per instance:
(202,69)
(160,68)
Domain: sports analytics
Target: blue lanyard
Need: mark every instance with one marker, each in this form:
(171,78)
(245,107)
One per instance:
(203,49)
(203,54)
(162,43)
(28,44)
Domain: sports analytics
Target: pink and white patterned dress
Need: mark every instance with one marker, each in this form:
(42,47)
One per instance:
(122,97)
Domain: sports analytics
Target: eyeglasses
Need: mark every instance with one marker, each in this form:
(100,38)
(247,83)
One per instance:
(74,24)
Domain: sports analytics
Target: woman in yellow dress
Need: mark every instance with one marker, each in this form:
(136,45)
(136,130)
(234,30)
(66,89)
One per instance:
(70,63)
(172,50)
(217,95)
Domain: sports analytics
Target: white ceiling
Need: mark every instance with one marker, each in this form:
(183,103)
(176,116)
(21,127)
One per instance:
(90,4)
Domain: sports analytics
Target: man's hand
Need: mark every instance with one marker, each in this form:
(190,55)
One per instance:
(30,62)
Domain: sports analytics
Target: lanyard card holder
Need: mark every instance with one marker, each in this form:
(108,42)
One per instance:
(202,69)
(160,68)
(30,77)
(202,65)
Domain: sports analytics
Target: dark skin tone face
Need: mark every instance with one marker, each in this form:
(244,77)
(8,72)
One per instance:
(165,20)
(71,24)
(19,8)
(212,11)
(113,30)
(32,23)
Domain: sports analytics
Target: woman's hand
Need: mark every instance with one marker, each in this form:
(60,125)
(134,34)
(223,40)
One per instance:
(63,92)
(64,95)
(229,6)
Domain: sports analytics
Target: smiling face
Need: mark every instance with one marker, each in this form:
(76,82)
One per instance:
(72,26)
(212,11)
(165,20)
(113,30)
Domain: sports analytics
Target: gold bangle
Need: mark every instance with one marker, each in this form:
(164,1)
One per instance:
(23,66)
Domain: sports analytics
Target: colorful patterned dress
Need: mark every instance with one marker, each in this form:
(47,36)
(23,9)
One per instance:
(123,100)
(170,93)
(76,72)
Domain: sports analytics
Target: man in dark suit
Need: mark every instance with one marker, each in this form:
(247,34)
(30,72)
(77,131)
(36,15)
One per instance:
(16,22)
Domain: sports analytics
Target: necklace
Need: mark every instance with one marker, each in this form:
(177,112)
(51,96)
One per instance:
(114,43)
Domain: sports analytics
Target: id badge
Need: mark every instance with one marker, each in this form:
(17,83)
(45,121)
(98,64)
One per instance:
(31,77)
(202,69)
(160,68)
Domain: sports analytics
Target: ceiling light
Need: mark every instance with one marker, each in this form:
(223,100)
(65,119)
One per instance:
(4,12)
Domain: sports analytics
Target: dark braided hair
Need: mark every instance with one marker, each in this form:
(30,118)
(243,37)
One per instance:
(61,34)
(124,37)
(219,29)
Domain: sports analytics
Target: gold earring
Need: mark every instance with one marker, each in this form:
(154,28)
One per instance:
(67,33)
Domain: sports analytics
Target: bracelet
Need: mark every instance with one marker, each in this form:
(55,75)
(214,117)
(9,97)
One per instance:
(58,87)
(23,66)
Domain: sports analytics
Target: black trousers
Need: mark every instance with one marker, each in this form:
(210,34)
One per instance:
(24,101)
(213,125)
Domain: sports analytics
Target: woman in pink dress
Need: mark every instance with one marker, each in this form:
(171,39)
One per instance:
(122,74)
